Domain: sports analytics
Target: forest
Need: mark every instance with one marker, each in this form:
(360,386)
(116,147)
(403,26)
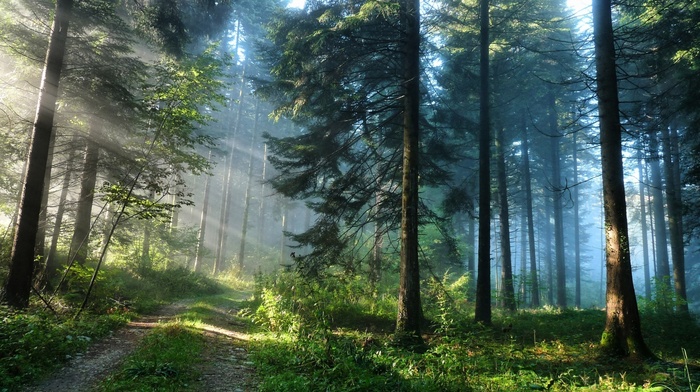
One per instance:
(349,195)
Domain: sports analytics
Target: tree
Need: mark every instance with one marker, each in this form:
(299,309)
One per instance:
(410,315)
(483,283)
(623,331)
(19,279)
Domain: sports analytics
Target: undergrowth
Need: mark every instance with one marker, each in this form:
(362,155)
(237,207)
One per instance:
(335,335)
(163,362)
(37,340)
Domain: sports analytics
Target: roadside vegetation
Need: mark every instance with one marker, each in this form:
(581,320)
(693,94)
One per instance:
(336,335)
(40,339)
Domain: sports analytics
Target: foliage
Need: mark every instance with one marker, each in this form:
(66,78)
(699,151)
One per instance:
(161,363)
(544,349)
(35,341)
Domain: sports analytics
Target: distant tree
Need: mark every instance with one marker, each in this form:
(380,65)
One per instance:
(623,331)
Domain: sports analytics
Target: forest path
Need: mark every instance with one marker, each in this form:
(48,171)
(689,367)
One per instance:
(224,364)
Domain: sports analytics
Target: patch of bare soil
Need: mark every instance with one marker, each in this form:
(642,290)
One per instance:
(224,368)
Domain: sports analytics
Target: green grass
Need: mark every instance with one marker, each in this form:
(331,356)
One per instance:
(319,339)
(163,362)
(34,342)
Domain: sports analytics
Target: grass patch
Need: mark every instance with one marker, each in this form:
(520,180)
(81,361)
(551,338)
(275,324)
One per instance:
(163,361)
(35,342)
(318,339)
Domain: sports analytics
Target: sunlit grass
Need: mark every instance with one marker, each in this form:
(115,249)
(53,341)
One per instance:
(320,340)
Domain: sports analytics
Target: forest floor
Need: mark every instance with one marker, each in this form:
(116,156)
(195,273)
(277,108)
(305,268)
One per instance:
(223,365)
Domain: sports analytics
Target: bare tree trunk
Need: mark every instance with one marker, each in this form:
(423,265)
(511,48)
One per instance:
(482,311)
(623,331)
(43,215)
(19,279)
(199,254)
(508,292)
(226,192)
(51,258)
(577,231)
(663,271)
(557,202)
(645,242)
(83,215)
(248,190)
(410,314)
(527,180)
(261,210)
(675,223)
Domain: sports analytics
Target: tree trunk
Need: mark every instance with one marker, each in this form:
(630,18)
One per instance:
(534,280)
(51,258)
(577,231)
(555,139)
(199,254)
(663,271)
(40,248)
(508,293)
(675,224)
(261,210)
(19,279)
(248,190)
(482,311)
(645,242)
(83,215)
(410,314)
(623,332)
(226,197)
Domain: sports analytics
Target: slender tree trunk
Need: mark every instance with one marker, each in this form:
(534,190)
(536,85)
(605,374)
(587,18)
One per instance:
(51,258)
(40,250)
(261,210)
(577,230)
(623,331)
(83,214)
(199,254)
(645,242)
(663,271)
(226,191)
(675,223)
(557,202)
(410,314)
(534,280)
(19,279)
(504,217)
(548,259)
(482,311)
(248,190)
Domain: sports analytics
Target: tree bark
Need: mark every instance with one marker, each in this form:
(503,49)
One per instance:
(199,254)
(248,190)
(508,293)
(40,247)
(51,258)
(623,332)
(534,280)
(226,191)
(675,224)
(83,214)
(19,280)
(577,231)
(482,311)
(555,139)
(410,314)
(645,241)
(663,271)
